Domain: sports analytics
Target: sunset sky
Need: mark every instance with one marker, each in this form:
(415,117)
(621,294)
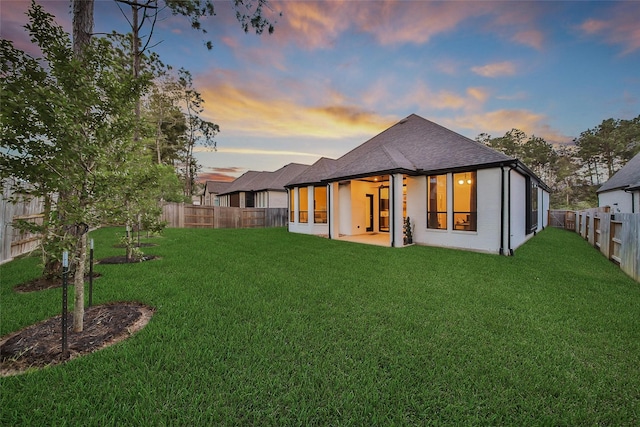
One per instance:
(336,73)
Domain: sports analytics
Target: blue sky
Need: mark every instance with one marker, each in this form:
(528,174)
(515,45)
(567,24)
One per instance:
(336,73)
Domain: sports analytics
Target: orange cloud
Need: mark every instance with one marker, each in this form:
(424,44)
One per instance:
(619,27)
(318,24)
(254,109)
(498,122)
(498,69)
(424,98)
(313,25)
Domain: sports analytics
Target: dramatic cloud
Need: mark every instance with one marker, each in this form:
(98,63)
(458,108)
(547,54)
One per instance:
(619,26)
(247,106)
(253,151)
(214,176)
(498,69)
(319,24)
(422,97)
(312,25)
(497,123)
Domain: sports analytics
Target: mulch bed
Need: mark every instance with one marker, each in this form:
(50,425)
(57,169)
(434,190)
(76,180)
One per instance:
(40,284)
(40,345)
(141,245)
(122,259)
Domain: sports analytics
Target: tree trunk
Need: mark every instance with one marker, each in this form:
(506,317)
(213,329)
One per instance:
(78,284)
(82,25)
(82,32)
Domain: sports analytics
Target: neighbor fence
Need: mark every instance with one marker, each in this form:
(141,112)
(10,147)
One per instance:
(13,241)
(180,215)
(615,235)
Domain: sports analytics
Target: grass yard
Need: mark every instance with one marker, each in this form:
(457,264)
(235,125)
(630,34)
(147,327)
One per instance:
(264,327)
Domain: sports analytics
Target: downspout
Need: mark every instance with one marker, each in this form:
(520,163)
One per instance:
(502,210)
(633,201)
(392,217)
(329,213)
(511,253)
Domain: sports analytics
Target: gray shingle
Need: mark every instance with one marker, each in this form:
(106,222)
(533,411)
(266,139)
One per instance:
(628,176)
(415,144)
(315,173)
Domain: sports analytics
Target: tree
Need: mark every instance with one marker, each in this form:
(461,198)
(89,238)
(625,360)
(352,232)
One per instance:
(608,147)
(533,151)
(198,129)
(64,120)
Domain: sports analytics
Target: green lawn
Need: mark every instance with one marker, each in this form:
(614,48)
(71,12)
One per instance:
(264,327)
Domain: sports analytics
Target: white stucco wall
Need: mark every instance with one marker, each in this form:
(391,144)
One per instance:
(487,236)
(543,209)
(518,210)
(619,201)
(344,215)
(277,199)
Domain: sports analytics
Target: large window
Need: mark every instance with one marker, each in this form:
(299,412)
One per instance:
(383,218)
(292,211)
(465,201)
(303,213)
(320,205)
(437,202)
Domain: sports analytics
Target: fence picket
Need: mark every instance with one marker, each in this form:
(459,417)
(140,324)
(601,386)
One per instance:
(179,215)
(616,236)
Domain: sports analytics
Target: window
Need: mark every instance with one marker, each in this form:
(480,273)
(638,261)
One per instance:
(292,212)
(249,199)
(320,205)
(383,218)
(234,200)
(303,215)
(465,201)
(437,202)
(532,206)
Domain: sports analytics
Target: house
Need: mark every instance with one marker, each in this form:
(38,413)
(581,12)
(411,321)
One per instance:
(622,191)
(456,192)
(261,189)
(212,190)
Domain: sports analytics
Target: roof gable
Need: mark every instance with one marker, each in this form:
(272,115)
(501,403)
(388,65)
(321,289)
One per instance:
(315,173)
(415,144)
(627,177)
(216,187)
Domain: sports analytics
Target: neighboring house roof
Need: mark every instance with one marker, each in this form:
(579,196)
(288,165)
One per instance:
(266,181)
(216,187)
(315,173)
(626,178)
(280,178)
(416,145)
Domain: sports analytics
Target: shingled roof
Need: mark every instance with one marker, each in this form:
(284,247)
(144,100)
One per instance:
(626,178)
(412,145)
(216,187)
(263,181)
(315,173)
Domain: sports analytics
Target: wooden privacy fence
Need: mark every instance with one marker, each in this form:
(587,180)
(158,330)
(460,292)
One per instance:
(617,236)
(180,215)
(14,242)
